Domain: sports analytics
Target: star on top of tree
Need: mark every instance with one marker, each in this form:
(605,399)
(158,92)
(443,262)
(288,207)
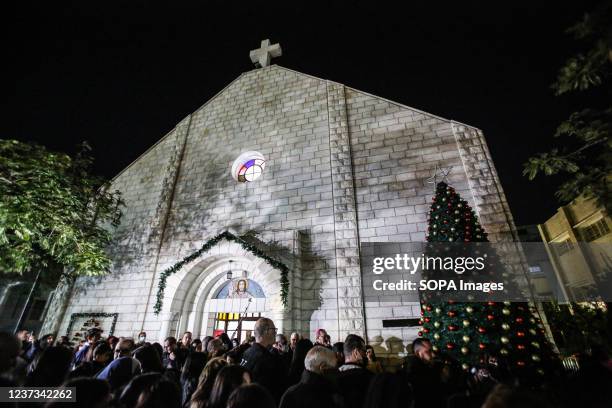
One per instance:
(440,174)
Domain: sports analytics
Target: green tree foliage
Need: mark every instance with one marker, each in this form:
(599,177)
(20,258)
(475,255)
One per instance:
(54,214)
(579,326)
(467,332)
(584,150)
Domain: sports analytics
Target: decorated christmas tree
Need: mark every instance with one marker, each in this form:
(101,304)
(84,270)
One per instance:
(469,332)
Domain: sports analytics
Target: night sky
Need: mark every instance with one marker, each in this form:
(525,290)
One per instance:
(122,74)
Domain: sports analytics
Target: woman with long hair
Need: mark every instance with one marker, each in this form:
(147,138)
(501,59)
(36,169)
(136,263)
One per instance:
(229,378)
(190,374)
(206,382)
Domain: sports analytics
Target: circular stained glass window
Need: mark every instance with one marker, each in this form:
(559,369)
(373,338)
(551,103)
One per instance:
(248,166)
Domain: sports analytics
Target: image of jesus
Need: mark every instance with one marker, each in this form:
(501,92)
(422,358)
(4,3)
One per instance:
(240,290)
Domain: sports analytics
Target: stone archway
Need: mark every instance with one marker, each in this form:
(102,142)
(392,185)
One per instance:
(190,294)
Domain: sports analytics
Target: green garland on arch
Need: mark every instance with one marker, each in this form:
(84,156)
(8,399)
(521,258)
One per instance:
(161,286)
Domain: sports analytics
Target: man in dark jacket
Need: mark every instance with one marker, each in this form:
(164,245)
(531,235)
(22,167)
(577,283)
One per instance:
(172,357)
(93,335)
(425,375)
(267,368)
(317,387)
(354,379)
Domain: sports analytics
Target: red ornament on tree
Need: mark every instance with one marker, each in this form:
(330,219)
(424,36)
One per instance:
(420,334)
(452,327)
(520,346)
(482,346)
(482,330)
(451,313)
(450,346)
(520,334)
(520,363)
(490,317)
(519,320)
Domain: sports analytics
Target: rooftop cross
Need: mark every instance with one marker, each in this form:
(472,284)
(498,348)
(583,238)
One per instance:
(261,56)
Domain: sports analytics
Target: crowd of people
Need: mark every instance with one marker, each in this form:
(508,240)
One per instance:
(267,370)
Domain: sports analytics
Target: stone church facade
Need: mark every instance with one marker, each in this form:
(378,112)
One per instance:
(343,167)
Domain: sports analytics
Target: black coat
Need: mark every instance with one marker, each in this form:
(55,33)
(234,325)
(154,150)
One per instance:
(353,383)
(267,369)
(426,380)
(313,391)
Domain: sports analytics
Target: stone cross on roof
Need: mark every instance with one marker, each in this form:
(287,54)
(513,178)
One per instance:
(261,56)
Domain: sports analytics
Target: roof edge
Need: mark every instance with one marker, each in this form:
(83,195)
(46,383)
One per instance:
(378,97)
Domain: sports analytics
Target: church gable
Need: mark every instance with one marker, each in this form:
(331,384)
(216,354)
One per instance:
(341,167)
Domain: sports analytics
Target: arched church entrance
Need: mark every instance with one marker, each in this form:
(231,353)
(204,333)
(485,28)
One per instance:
(207,299)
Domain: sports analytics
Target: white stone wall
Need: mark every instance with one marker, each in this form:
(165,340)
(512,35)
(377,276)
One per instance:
(343,166)
(126,290)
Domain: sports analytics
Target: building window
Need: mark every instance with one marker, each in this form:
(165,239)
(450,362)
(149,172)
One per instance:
(596,230)
(563,247)
(535,269)
(248,167)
